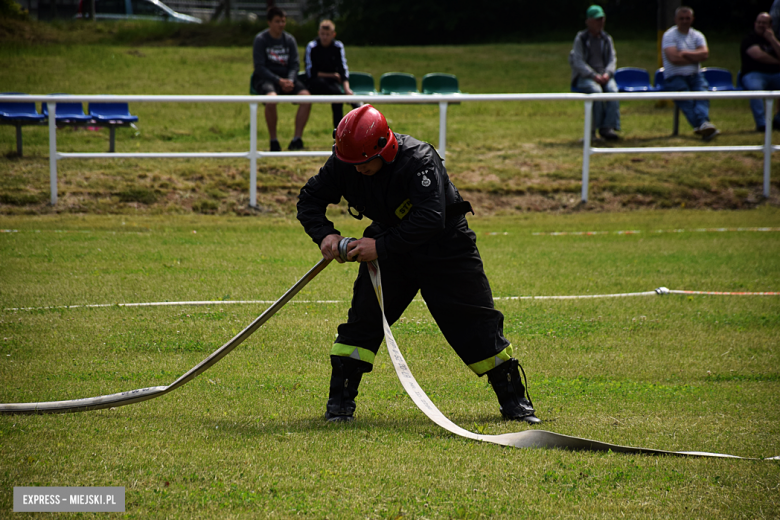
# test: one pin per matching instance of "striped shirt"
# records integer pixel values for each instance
(683, 42)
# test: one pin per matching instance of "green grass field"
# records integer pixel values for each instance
(509, 157)
(247, 439)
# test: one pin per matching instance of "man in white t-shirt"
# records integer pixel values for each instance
(684, 48)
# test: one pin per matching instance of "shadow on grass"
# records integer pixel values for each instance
(418, 424)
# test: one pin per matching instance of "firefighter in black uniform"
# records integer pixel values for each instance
(423, 243)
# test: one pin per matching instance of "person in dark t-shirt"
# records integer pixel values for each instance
(760, 51)
(275, 56)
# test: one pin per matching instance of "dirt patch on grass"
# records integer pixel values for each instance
(513, 183)
(566, 202)
(281, 202)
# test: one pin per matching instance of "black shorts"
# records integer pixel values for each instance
(266, 87)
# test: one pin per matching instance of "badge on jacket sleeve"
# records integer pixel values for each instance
(404, 209)
(425, 181)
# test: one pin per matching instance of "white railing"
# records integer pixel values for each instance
(443, 100)
(767, 148)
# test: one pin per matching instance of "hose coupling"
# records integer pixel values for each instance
(343, 243)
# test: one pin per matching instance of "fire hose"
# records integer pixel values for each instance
(523, 439)
(144, 394)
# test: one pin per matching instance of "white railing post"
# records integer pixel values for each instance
(53, 151)
(586, 149)
(253, 155)
(442, 129)
(768, 145)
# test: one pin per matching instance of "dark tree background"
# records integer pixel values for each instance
(426, 22)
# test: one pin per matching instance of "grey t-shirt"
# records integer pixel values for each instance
(596, 57)
(275, 58)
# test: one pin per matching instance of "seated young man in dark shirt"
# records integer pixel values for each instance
(326, 67)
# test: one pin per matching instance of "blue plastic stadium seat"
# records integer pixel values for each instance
(111, 115)
(659, 79)
(18, 111)
(68, 113)
(720, 80)
(398, 83)
(632, 79)
(19, 114)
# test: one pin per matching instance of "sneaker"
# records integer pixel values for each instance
(712, 135)
(608, 134)
(707, 130)
(594, 138)
(296, 144)
(761, 129)
(275, 146)
(333, 419)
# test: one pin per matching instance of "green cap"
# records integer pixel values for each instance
(594, 11)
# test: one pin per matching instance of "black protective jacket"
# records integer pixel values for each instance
(407, 200)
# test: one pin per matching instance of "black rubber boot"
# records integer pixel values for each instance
(506, 382)
(344, 382)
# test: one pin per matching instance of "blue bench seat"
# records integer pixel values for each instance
(19, 114)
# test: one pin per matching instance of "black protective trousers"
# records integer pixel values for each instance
(449, 274)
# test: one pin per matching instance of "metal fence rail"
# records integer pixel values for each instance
(443, 100)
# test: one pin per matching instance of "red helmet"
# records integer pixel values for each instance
(363, 135)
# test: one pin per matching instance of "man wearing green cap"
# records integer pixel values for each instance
(593, 64)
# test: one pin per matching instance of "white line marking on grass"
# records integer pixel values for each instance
(165, 304)
(660, 291)
(636, 232)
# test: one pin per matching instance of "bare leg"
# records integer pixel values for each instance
(302, 117)
(271, 117)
